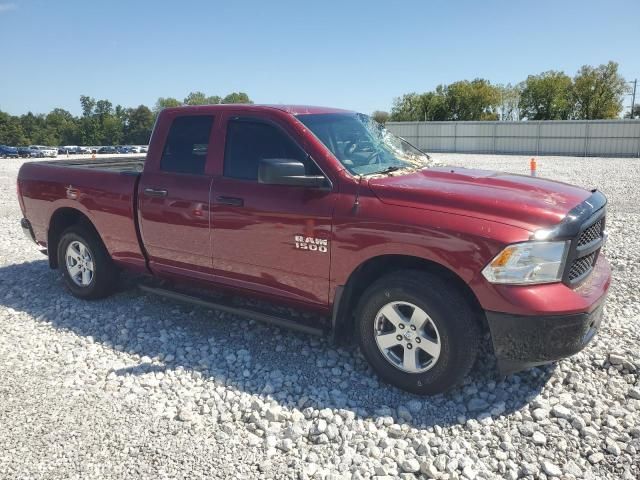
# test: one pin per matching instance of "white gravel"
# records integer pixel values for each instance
(138, 387)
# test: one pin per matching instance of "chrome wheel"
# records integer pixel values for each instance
(407, 337)
(79, 263)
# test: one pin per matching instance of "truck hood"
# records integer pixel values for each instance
(522, 201)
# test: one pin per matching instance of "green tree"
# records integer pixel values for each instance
(472, 100)
(11, 132)
(236, 97)
(380, 116)
(90, 125)
(88, 131)
(409, 107)
(598, 92)
(436, 109)
(104, 108)
(121, 113)
(61, 127)
(111, 130)
(547, 96)
(139, 126)
(509, 102)
(195, 98)
(88, 104)
(465, 100)
(33, 127)
(166, 102)
(199, 98)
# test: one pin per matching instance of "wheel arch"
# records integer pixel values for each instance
(348, 295)
(61, 219)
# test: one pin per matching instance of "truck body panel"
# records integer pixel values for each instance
(527, 202)
(104, 196)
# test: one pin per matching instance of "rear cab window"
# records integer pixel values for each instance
(186, 147)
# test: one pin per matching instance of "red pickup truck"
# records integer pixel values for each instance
(326, 211)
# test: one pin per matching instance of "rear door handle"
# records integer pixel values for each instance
(233, 201)
(154, 192)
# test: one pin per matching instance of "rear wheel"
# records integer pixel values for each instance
(417, 332)
(86, 266)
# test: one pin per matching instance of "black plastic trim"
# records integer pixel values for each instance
(580, 218)
(220, 304)
(335, 314)
(521, 341)
(575, 220)
(27, 229)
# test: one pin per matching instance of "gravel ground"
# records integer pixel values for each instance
(139, 387)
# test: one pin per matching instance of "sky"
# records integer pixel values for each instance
(351, 54)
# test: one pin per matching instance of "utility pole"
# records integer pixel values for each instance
(633, 96)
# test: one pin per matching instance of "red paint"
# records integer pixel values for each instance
(455, 217)
(499, 197)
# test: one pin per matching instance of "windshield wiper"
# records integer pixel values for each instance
(389, 169)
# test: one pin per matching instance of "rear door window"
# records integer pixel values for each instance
(185, 150)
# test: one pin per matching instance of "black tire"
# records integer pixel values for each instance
(457, 330)
(105, 273)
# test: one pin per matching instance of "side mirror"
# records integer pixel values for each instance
(285, 171)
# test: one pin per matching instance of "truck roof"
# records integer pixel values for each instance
(291, 109)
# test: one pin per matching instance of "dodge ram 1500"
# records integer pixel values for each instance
(326, 211)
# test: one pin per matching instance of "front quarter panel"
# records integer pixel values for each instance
(461, 244)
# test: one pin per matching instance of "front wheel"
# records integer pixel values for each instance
(417, 332)
(86, 266)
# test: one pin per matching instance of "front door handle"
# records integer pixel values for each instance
(154, 192)
(233, 201)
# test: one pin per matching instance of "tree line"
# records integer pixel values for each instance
(100, 122)
(593, 93)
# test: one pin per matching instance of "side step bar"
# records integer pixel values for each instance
(260, 316)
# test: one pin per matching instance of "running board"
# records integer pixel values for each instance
(260, 316)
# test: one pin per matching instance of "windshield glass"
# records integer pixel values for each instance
(362, 145)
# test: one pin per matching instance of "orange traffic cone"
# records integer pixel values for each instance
(533, 165)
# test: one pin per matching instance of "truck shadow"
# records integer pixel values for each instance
(294, 369)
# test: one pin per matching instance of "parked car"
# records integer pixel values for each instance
(122, 149)
(326, 211)
(44, 151)
(134, 149)
(144, 149)
(83, 150)
(8, 152)
(68, 149)
(35, 152)
(24, 152)
(111, 150)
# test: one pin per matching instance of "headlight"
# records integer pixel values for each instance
(528, 263)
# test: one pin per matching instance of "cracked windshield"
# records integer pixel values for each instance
(364, 146)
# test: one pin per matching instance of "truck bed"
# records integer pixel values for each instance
(103, 190)
(113, 164)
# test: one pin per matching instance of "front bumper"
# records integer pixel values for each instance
(522, 342)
